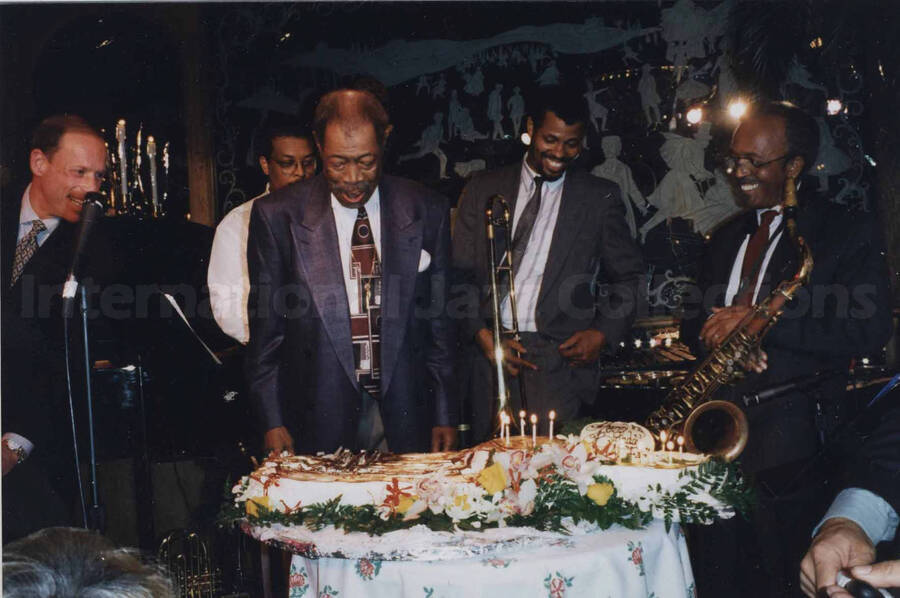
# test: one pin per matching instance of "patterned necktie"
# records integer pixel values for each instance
(753, 257)
(25, 248)
(526, 223)
(365, 326)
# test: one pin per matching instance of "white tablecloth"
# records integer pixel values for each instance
(616, 563)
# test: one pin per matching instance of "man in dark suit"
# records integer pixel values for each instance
(350, 343)
(568, 228)
(863, 514)
(843, 311)
(39, 225)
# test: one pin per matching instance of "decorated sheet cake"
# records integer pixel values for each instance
(509, 492)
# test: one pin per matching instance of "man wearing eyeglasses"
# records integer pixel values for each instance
(844, 311)
(286, 156)
(38, 226)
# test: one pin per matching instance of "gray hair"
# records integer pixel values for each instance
(62, 562)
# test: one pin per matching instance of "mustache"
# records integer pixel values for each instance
(353, 188)
(563, 159)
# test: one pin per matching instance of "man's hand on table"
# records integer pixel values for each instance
(278, 440)
(443, 438)
(840, 544)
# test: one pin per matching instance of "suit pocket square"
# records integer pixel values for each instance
(424, 260)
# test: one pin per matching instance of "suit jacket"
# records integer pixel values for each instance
(591, 241)
(299, 361)
(33, 372)
(843, 311)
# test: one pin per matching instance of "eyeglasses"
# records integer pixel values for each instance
(308, 163)
(731, 163)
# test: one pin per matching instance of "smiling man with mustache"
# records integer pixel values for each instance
(350, 342)
(568, 226)
(844, 311)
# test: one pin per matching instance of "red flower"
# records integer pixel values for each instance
(366, 568)
(637, 556)
(557, 588)
(298, 580)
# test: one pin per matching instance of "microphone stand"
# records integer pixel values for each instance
(96, 515)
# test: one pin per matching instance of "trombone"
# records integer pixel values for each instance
(494, 220)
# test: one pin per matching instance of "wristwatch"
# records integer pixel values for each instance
(13, 445)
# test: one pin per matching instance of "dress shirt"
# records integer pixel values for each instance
(734, 280)
(344, 220)
(227, 277)
(530, 272)
(868, 510)
(27, 215)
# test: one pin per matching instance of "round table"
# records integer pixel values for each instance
(615, 563)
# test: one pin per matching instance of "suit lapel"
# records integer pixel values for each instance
(316, 239)
(573, 205)
(401, 244)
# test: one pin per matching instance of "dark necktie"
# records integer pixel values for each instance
(365, 326)
(25, 248)
(526, 223)
(753, 258)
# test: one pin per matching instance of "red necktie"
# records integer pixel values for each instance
(753, 257)
(365, 326)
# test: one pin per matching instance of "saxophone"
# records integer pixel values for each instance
(720, 427)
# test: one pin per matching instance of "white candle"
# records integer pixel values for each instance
(669, 447)
(522, 423)
(662, 438)
(533, 430)
(681, 445)
(123, 167)
(552, 420)
(154, 186)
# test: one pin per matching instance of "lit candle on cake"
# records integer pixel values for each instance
(522, 423)
(533, 430)
(504, 427)
(669, 447)
(663, 436)
(681, 445)
(552, 420)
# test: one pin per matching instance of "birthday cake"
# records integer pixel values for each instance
(608, 475)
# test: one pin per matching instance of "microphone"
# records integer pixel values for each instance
(92, 210)
(773, 392)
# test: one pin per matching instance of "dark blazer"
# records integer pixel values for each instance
(843, 312)
(299, 365)
(591, 240)
(877, 469)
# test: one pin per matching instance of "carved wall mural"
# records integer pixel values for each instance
(459, 83)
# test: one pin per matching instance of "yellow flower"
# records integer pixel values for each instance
(253, 505)
(405, 503)
(462, 501)
(600, 493)
(493, 478)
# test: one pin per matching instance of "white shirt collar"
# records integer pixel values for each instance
(372, 205)
(27, 214)
(528, 175)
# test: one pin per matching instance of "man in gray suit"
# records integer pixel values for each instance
(569, 230)
(350, 342)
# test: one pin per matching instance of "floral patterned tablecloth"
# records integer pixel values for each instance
(616, 563)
